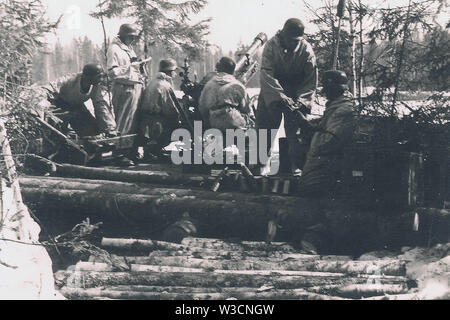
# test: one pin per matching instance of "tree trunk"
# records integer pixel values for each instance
(67, 170)
(217, 218)
(217, 244)
(184, 293)
(353, 49)
(386, 267)
(333, 291)
(88, 279)
(361, 57)
(106, 186)
(401, 58)
(140, 245)
(197, 257)
(357, 291)
(247, 255)
(188, 248)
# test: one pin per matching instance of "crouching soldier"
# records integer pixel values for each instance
(159, 115)
(70, 94)
(332, 134)
(324, 160)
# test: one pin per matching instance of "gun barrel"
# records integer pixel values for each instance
(258, 42)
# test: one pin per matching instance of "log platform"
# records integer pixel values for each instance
(141, 202)
(205, 268)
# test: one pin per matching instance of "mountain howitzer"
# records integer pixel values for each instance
(247, 65)
(245, 68)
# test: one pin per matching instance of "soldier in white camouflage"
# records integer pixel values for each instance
(288, 78)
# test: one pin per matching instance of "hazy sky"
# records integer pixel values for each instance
(233, 20)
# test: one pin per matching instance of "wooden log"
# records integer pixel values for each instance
(226, 261)
(357, 291)
(405, 296)
(93, 266)
(386, 267)
(140, 245)
(209, 243)
(297, 294)
(156, 268)
(104, 267)
(360, 291)
(173, 249)
(163, 177)
(88, 279)
(220, 218)
(247, 255)
(216, 289)
(147, 189)
(167, 248)
(214, 254)
(336, 291)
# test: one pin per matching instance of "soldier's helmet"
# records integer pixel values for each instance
(128, 29)
(336, 79)
(167, 65)
(93, 70)
(293, 28)
(226, 64)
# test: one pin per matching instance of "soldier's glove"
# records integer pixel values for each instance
(302, 107)
(288, 103)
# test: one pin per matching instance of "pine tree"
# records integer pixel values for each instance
(162, 22)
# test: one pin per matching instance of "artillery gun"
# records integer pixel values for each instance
(246, 68)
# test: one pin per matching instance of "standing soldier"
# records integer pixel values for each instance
(159, 110)
(127, 79)
(288, 79)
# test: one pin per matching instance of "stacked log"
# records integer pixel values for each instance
(175, 271)
(221, 214)
(170, 176)
(161, 177)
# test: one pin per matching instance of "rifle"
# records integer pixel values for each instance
(75, 153)
(141, 64)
